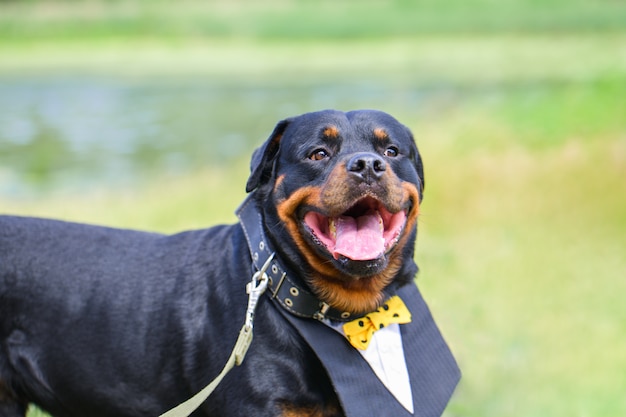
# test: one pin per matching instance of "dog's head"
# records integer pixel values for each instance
(340, 195)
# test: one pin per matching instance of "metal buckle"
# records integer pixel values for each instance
(255, 289)
(320, 315)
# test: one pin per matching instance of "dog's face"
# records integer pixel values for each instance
(340, 194)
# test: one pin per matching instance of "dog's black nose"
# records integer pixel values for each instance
(368, 167)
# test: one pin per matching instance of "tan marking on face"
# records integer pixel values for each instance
(331, 132)
(340, 192)
(366, 294)
(380, 133)
(287, 213)
(339, 290)
(330, 410)
(279, 182)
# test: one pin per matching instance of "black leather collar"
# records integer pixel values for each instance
(290, 296)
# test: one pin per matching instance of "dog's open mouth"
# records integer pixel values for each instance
(364, 232)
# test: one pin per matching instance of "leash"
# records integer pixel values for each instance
(255, 288)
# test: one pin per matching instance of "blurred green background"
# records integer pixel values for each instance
(143, 114)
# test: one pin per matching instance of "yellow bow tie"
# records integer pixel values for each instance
(359, 332)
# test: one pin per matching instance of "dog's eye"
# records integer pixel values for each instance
(391, 152)
(319, 154)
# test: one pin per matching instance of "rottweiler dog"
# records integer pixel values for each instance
(96, 321)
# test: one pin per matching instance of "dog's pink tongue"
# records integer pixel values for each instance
(359, 238)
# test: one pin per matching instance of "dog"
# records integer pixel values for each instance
(100, 322)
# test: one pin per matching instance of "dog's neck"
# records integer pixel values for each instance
(283, 289)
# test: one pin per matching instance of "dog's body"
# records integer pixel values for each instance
(104, 322)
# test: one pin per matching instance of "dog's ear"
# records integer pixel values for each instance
(417, 162)
(262, 161)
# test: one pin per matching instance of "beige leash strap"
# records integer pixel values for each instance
(189, 406)
(255, 289)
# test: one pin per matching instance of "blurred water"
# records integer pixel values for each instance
(73, 132)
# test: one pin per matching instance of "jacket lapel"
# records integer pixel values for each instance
(433, 371)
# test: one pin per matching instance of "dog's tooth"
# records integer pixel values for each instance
(332, 227)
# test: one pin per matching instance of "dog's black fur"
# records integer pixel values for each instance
(97, 322)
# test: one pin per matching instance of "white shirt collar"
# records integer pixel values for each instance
(385, 355)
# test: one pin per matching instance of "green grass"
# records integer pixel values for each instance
(328, 19)
(478, 62)
(35, 412)
(531, 244)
